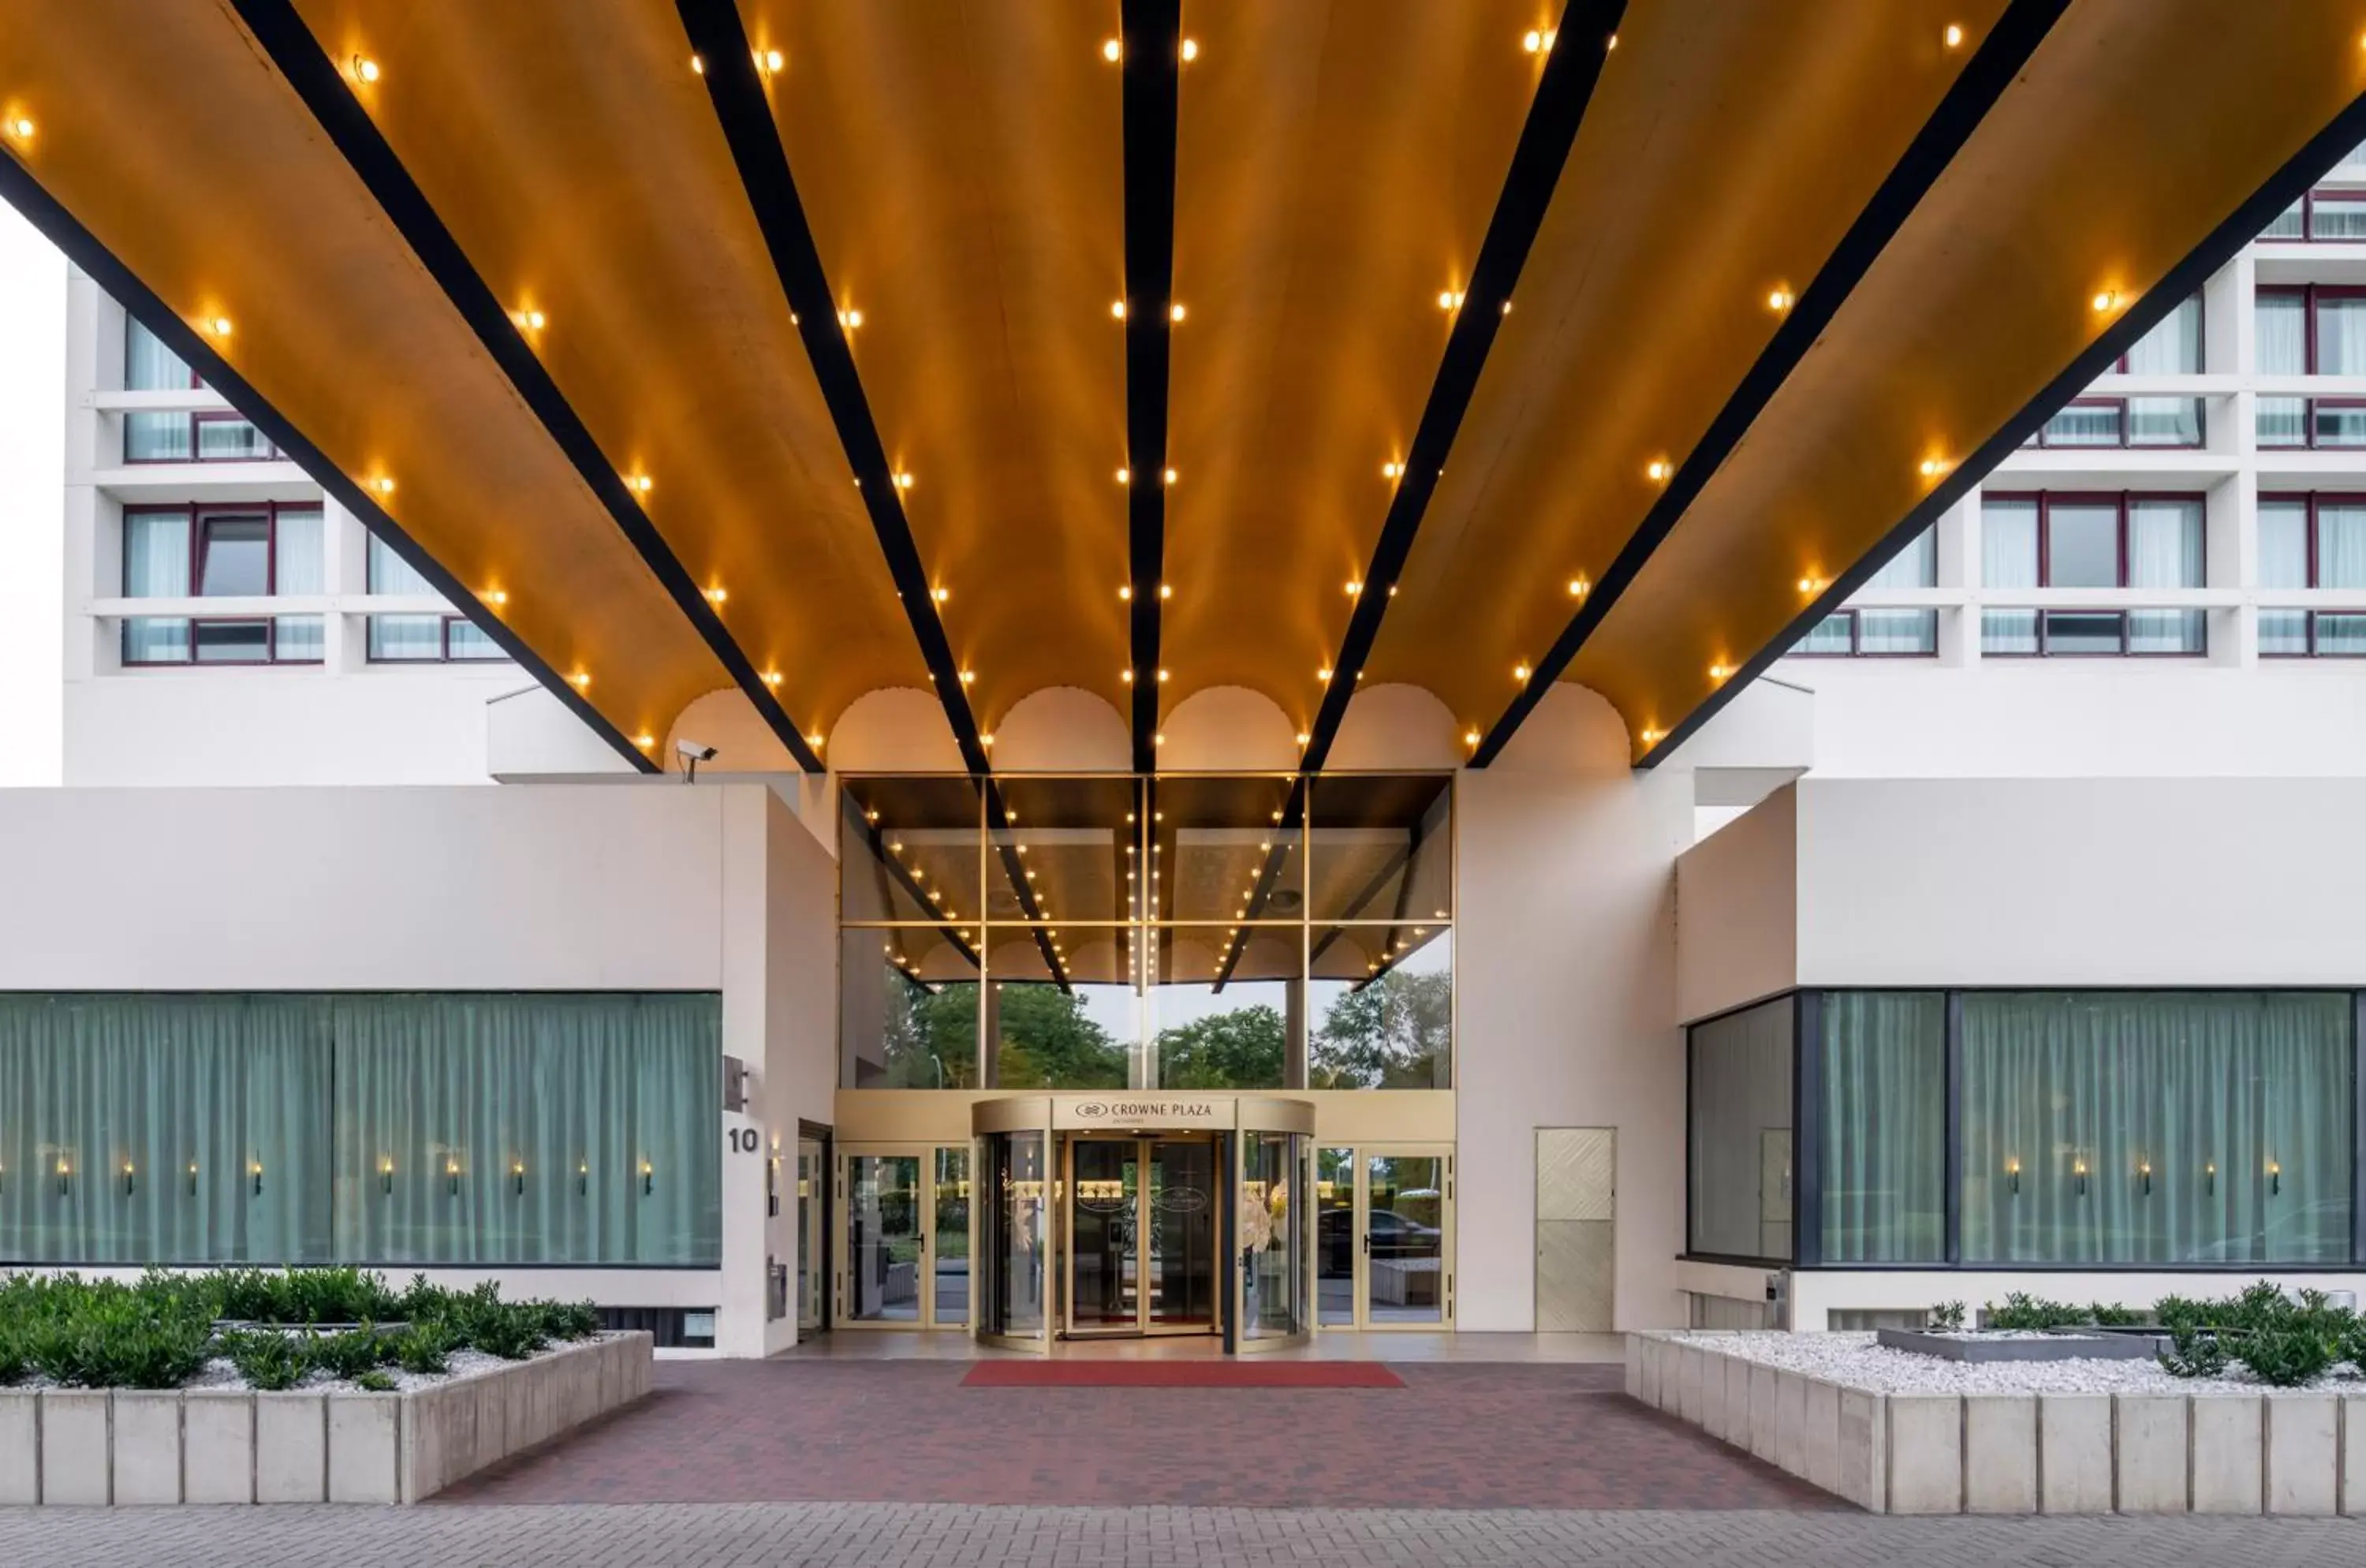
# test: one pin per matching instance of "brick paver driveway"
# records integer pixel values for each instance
(1466, 1436)
(829, 1535)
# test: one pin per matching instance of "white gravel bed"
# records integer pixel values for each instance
(220, 1373)
(1857, 1361)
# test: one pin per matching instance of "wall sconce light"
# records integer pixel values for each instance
(2144, 1169)
(2275, 1178)
(193, 1179)
(517, 1177)
(772, 1186)
(386, 1176)
(648, 1178)
(2209, 1178)
(130, 1179)
(452, 1178)
(582, 1178)
(2011, 1170)
(254, 1169)
(2079, 1169)
(65, 1177)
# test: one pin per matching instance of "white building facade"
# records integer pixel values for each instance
(2078, 774)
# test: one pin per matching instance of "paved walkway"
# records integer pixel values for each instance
(876, 1536)
(1457, 1436)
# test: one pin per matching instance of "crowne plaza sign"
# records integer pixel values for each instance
(1128, 1112)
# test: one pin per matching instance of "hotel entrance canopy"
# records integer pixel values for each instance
(813, 349)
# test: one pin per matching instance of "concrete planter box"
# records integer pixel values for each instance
(1998, 1453)
(2056, 1345)
(209, 1445)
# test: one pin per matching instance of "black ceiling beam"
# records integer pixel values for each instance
(1152, 58)
(2307, 166)
(1293, 819)
(1572, 65)
(26, 195)
(901, 875)
(1992, 68)
(321, 85)
(727, 67)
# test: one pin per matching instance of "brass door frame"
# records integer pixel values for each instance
(1444, 1155)
(1143, 1327)
(924, 1217)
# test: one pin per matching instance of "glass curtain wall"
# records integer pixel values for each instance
(2100, 1129)
(1182, 931)
(416, 1129)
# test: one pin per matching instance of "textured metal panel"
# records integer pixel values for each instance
(1576, 1173)
(1577, 1196)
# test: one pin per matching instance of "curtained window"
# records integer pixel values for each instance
(2187, 1127)
(2173, 348)
(1740, 1133)
(1884, 1103)
(419, 1129)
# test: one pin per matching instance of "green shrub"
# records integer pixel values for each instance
(2194, 1352)
(2022, 1311)
(270, 1359)
(375, 1382)
(119, 1339)
(13, 1365)
(568, 1320)
(2290, 1356)
(1947, 1316)
(304, 1295)
(2174, 1312)
(2105, 1315)
(2263, 1305)
(424, 1347)
(350, 1354)
(511, 1332)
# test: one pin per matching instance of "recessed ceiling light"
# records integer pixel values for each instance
(1577, 588)
(21, 129)
(1954, 35)
(1117, 309)
(1191, 50)
(1112, 52)
(1657, 470)
(1780, 301)
(364, 68)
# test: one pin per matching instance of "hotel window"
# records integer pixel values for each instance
(419, 638)
(266, 550)
(2335, 216)
(2311, 542)
(1881, 1089)
(1874, 632)
(2103, 542)
(208, 435)
(1739, 1134)
(2173, 348)
(2116, 1127)
(2313, 331)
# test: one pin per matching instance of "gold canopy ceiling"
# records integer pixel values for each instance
(798, 366)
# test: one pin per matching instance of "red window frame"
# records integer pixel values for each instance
(2309, 295)
(2308, 205)
(2313, 501)
(2122, 501)
(195, 513)
(195, 417)
(1853, 613)
(444, 654)
(2121, 440)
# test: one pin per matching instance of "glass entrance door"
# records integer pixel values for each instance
(813, 1266)
(1142, 1236)
(904, 1249)
(1383, 1237)
(1275, 1170)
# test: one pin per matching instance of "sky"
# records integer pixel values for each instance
(33, 502)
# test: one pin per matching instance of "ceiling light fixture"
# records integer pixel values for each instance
(1651, 736)
(814, 741)
(697, 66)
(641, 482)
(645, 741)
(1657, 470)
(218, 325)
(582, 680)
(1166, 591)
(1303, 738)
(1354, 587)
(365, 69)
(1117, 309)
(1323, 674)
(768, 60)
(2106, 301)
(1126, 676)
(1538, 41)
(1126, 476)
(1112, 52)
(1191, 50)
(497, 598)
(1811, 585)
(1169, 476)
(1162, 677)
(716, 595)
(1125, 591)
(1717, 672)
(1521, 673)
(772, 678)
(940, 594)
(968, 676)
(1955, 36)
(1391, 470)
(1933, 466)
(383, 484)
(903, 481)
(1450, 299)
(1577, 588)
(1173, 312)
(1781, 299)
(531, 320)
(1471, 737)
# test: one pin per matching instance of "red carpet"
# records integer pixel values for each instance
(1247, 1371)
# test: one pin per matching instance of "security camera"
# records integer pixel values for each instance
(693, 751)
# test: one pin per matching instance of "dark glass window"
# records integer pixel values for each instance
(1740, 1133)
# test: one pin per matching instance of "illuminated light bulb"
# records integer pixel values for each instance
(849, 319)
(1933, 466)
(383, 484)
(1162, 677)
(1125, 591)
(532, 320)
(218, 325)
(1520, 672)
(987, 741)
(772, 678)
(1650, 736)
(21, 129)
(1191, 50)
(497, 598)
(1158, 739)
(1323, 674)
(643, 483)
(1391, 470)
(1811, 585)
(1112, 52)
(1165, 592)
(1955, 36)
(968, 676)
(1303, 738)
(1126, 676)
(1505, 308)
(1577, 588)
(1657, 470)
(2106, 301)
(1354, 587)
(1173, 312)
(1611, 42)
(1117, 309)
(1780, 301)
(1718, 672)
(697, 66)
(768, 60)
(716, 595)
(940, 594)
(815, 741)
(1126, 476)
(1168, 475)
(365, 69)
(645, 741)
(581, 681)
(903, 481)
(1450, 299)
(1535, 41)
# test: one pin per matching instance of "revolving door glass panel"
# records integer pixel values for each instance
(1142, 1236)
(1273, 1234)
(1013, 1236)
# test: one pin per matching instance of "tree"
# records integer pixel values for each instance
(1394, 1034)
(1048, 1041)
(1226, 1050)
(930, 1038)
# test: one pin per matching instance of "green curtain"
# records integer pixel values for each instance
(163, 1129)
(2176, 1127)
(529, 1129)
(1884, 1125)
(1740, 1114)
